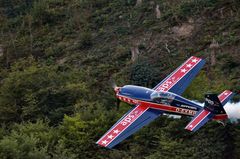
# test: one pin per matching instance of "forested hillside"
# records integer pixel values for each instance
(57, 59)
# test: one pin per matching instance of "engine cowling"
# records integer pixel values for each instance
(136, 92)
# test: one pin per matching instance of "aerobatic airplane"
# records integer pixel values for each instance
(165, 98)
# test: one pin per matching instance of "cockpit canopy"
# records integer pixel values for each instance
(162, 95)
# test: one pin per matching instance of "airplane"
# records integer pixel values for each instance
(148, 104)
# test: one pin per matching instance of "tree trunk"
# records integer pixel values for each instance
(158, 12)
(213, 57)
(135, 53)
(214, 46)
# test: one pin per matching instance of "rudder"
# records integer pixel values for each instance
(213, 104)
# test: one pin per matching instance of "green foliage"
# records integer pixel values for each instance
(202, 84)
(43, 13)
(186, 9)
(79, 136)
(58, 57)
(86, 40)
(15, 8)
(30, 140)
(39, 91)
(141, 73)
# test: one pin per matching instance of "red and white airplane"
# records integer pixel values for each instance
(166, 97)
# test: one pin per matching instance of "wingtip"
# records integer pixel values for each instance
(100, 145)
(188, 127)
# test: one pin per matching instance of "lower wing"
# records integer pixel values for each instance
(131, 122)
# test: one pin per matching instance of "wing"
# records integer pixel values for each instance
(204, 115)
(131, 122)
(179, 80)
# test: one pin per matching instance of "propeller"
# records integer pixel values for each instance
(118, 103)
(115, 88)
(113, 84)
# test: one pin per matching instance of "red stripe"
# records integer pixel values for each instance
(179, 74)
(127, 99)
(168, 108)
(158, 106)
(220, 117)
(197, 120)
(224, 95)
(122, 125)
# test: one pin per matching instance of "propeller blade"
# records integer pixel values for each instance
(116, 88)
(118, 103)
(113, 83)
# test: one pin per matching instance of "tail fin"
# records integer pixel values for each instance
(213, 104)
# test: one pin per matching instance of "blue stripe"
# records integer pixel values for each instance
(182, 84)
(227, 99)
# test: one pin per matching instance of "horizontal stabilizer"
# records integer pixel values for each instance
(213, 109)
(199, 120)
(225, 96)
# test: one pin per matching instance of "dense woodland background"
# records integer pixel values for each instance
(56, 59)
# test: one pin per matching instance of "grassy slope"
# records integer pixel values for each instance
(95, 37)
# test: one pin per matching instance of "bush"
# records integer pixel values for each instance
(39, 91)
(28, 140)
(86, 40)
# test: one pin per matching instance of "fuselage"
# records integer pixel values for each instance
(165, 101)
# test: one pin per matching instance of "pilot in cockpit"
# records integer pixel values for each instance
(162, 97)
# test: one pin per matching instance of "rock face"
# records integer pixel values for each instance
(185, 30)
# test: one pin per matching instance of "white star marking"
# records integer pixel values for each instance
(116, 131)
(183, 70)
(225, 94)
(169, 81)
(110, 136)
(194, 60)
(190, 126)
(189, 65)
(104, 142)
(136, 112)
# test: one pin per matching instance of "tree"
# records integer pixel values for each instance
(28, 140)
(38, 91)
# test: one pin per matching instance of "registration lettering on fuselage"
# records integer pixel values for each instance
(186, 111)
